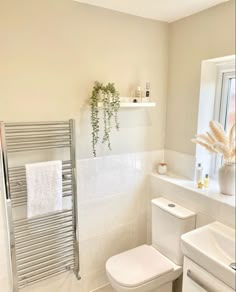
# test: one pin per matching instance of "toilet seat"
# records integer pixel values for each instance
(138, 266)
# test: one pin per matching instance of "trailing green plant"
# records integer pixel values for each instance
(109, 97)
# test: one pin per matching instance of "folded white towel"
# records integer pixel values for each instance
(44, 187)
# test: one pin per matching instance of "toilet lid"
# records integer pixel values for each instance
(138, 266)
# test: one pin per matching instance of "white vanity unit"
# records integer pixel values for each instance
(209, 262)
(196, 279)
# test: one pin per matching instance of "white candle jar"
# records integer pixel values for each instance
(162, 168)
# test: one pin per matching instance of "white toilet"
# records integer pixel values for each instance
(154, 268)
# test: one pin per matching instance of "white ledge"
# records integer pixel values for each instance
(212, 192)
(133, 104)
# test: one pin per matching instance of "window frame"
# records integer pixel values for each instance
(224, 79)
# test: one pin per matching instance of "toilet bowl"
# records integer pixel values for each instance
(142, 269)
(153, 268)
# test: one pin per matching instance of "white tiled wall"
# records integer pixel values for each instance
(184, 164)
(112, 210)
(112, 207)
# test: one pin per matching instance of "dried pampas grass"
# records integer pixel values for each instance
(217, 141)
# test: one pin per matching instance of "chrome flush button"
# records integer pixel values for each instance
(171, 205)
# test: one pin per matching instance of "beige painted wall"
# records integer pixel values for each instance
(52, 51)
(208, 34)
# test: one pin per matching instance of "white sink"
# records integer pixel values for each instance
(213, 248)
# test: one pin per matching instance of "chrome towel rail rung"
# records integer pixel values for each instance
(29, 260)
(19, 186)
(24, 130)
(38, 137)
(43, 264)
(49, 258)
(33, 245)
(47, 234)
(29, 124)
(56, 272)
(36, 142)
(40, 235)
(22, 168)
(23, 199)
(42, 217)
(41, 251)
(17, 191)
(52, 220)
(28, 234)
(23, 149)
(44, 269)
(17, 176)
(46, 275)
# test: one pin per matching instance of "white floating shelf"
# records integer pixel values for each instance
(133, 104)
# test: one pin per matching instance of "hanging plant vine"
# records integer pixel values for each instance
(109, 97)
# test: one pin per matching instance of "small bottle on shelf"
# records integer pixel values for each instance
(206, 181)
(138, 95)
(198, 175)
(147, 93)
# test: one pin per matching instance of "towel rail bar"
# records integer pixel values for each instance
(22, 168)
(46, 147)
(36, 129)
(42, 223)
(45, 269)
(43, 264)
(42, 217)
(53, 273)
(52, 252)
(42, 233)
(61, 238)
(46, 245)
(60, 235)
(29, 124)
(23, 189)
(40, 135)
(43, 250)
(21, 185)
(44, 275)
(30, 261)
(28, 234)
(36, 142)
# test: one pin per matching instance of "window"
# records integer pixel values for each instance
(225, 106)
(216, 102)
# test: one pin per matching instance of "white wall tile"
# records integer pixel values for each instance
(180, 163)
(94, 252)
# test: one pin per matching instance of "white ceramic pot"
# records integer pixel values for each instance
(162, 168)
(227, 179)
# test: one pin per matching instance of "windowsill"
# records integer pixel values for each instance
(212, 192)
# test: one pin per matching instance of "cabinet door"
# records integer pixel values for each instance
(196, 279)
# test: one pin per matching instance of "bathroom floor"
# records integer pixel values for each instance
(105, 289)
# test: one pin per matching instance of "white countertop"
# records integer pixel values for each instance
(212, 192)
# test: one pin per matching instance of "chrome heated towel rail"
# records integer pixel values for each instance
(45, 245)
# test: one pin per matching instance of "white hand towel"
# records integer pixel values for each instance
(44, 187)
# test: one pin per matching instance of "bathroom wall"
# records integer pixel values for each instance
(205, 35)
(52, 52)
(113, 196)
